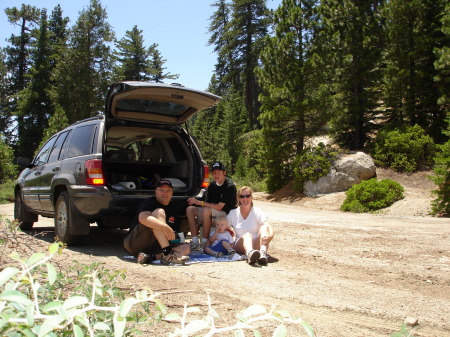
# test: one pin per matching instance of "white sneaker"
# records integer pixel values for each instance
(263, 258)
(197, 247)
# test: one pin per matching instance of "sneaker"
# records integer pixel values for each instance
(143, 258)
(197, 247)
(263, 258)
(253, 256)
(231, 252)
(174, 258)
(218, 255)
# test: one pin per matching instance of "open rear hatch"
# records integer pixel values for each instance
(156, 102)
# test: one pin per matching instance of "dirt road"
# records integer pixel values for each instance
(345, 274)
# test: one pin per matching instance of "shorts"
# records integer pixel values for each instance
(141, 239)
(214, 213)
(218, 247)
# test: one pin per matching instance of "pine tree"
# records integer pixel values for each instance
(18, 60)
(289, 113)
(133, 57)
(353, 51)
(35, 106)
(412, 33)
(84, 73)
(247, 28)
(156, 68)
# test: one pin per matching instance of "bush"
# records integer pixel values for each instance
(441, 205)
(405, 149)
(7, 192)
(371, 195)
(8, 169)
(313, 163)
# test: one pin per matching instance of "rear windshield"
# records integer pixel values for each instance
(146, 106)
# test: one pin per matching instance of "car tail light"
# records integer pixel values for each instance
(94, 172)
(205, 182)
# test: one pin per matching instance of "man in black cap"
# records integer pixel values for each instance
(158, 224)
(220, 199)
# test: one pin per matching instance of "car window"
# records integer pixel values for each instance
(42, 156)
(82, 140)
(55, 154)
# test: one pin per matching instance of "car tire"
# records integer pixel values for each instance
(64, 218)
(25, 219)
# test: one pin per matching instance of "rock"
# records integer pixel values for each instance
(346, 171)
(412, 321)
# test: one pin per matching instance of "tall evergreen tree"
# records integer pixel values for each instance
(413, 32)
(35, 106)
(288, 102)
(354, 34)
(225, 75)
(133, 57)
(84, 73)
(18, 59)
(156, 68)
(247, 28)
(5, 118)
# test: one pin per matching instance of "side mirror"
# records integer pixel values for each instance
(25, 162)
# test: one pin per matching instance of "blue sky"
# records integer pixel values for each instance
(179, 27)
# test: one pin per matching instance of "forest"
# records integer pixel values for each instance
(346, 69)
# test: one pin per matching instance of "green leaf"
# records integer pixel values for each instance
(53, 248)
(15, 296)
(308, 328)
(256, 333)
(101, 326)
(77, 331)
(172, 317)
(196, 326)
(161, 306)
(6, 274)
(254, 310)
(30, 314)
(52, 306)
(75, 301)
(126, 306)
(35, 258)
(48, 325)
(83, 320)
(52, 275)
(239, 333)
(119, 325)
(280, 331)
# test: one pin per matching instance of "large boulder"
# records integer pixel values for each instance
(347, 170)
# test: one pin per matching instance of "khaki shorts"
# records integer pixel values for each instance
(214, 213)
(141, 239)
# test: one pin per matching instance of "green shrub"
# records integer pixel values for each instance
(441, 205)
(406, 149)
(371, 195)
(7, 192)
(313, 163)
(8, 169)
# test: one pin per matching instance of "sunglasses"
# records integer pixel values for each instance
(245, 196)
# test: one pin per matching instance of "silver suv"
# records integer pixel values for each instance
(99, 170)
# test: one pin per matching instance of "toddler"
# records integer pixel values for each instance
(220, 241)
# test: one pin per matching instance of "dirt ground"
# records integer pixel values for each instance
(344, 274)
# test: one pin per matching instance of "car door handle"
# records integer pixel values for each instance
(56, 169)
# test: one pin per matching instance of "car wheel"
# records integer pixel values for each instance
(25, 219)
(63, 220)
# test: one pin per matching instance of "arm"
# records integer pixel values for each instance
(266, 233)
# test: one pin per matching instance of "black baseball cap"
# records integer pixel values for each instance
(217, 166)
(164, 182)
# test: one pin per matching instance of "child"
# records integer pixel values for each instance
(219, 242)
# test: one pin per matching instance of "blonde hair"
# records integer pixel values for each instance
(222, 219)
(240, 192)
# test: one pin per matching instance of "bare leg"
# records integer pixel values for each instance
(206, 221)
(191, 214)
(209, 251)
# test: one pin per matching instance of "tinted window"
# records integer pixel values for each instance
(55, 154)
(81, 142)
(41, 157)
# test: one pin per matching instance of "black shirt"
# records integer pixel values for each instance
(225, 193)
(172, 211)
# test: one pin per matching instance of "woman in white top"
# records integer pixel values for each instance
(253, 232)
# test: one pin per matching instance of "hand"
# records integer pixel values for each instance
(169, 233)
(192, 201)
